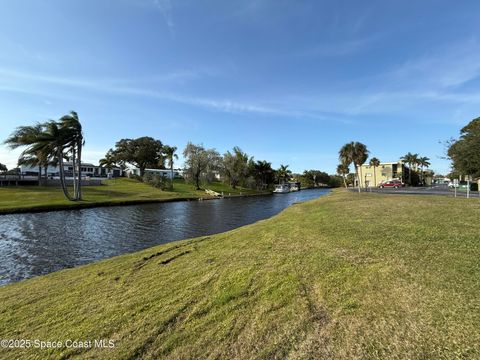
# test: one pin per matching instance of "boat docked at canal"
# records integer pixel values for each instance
(281, 189)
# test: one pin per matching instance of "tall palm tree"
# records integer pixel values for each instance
(424, 162)
(54, 141)
(375, 163)
(354, 152)
(283, 173)
(343, 170)
(411, 160)
(170, 155)
(263, 169)
(72, 134)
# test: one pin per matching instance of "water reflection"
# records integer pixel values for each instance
(35, 244)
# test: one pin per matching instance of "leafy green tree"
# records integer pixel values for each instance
(235, 166)
(3, 168)
(314, 178)
(199, 161)
(354, 152)
(412, 161)
(142, 152)
(335, 181)
(465, 152)
(169, 153)
(374, 162)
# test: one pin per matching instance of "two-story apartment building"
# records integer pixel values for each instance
(371, 176)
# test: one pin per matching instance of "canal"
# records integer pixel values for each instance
(40, 243)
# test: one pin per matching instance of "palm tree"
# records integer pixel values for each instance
(170, 156)
(411, 160)
(53, 140)
(25, 136)
(283, 173)
(354, 152)
(72, 134)
(343, 170)
(424, 162)
(375, 163)
(262, 171)
(109, 161)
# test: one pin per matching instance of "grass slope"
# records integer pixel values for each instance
(345, 276)
(111, 192)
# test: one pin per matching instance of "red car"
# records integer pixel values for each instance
(391, 183)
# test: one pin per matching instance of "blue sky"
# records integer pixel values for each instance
(287, 81)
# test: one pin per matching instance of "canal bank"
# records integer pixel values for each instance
(336, 277)
(34, 244)
(112, 193)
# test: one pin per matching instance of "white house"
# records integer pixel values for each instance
(177, 173)
(88, 169)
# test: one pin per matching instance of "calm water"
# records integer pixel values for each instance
(35, 244)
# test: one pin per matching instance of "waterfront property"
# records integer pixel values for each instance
(111, 192)
(167, 173)
(371, 176)
(88, 169)
(335, 278)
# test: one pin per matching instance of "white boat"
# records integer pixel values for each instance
(281, 189)
(294, 187)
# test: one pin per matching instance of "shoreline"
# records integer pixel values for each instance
(82, 206)
(310, 265)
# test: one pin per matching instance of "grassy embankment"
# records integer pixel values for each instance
(111, 192)
(346, 276)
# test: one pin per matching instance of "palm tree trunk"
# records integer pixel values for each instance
(357, 170)
(62, 175)
(39, 175)
(410, 174)
(171, 172)
(46, 173)
(344, 180)
(74, 162)
(79, 160)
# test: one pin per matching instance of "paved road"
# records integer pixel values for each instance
(427, 190)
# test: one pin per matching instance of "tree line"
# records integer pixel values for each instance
(54, 142)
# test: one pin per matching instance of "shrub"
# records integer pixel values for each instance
(157, 181)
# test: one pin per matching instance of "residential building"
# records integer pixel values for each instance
(88, 170)
(372, 176)
(177, 173)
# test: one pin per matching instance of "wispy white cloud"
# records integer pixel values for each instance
(30, 81)
(450, 66)
(165, 8)
(339, 48)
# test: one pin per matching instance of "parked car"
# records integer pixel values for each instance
(391, 183)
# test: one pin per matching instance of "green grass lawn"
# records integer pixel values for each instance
(112, 191)
(363, 276)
